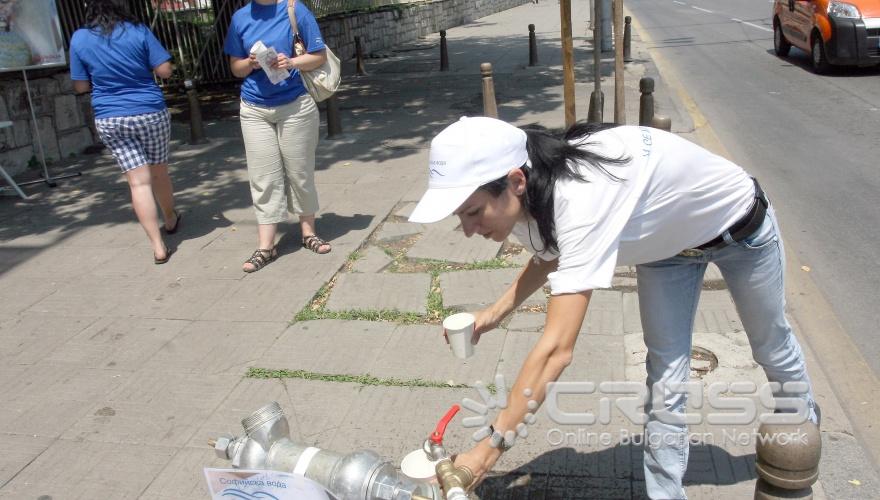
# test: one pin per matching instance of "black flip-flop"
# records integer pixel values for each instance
(168, 252)
(176, 224)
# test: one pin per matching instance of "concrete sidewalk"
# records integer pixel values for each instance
(116, 372)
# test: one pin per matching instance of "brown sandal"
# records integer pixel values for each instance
(314, 243)
(261, 258)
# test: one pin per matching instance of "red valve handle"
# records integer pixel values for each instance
(437, 435)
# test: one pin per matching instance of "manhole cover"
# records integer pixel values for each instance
(703, 361)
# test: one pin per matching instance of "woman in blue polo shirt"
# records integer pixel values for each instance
(279, 122)
(115, 57)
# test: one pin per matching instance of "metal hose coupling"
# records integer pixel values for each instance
(454, 481)
(359, 475)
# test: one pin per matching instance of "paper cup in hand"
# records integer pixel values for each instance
(459, 329)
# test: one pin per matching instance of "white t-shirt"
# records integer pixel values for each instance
(674, 195)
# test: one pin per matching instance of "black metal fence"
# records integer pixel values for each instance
(194, 30)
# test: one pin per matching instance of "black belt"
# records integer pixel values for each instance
(747, 225)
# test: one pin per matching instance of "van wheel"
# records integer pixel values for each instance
(820, 60)
(780, 44)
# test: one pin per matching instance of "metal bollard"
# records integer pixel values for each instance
(646, 102)
(533, 46)
(444, 54)
(196, 128)
(597, 107)
(334, 124)
(360, 56)
(627, 39)
(489, 107)
(662, 122)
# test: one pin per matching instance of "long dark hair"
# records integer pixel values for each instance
(556, 157)
(104, 15)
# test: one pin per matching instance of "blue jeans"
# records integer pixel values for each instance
(668, 294)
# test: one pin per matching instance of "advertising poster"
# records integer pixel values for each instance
(30, 35)
(242, 484)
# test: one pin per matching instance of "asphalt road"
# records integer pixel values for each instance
(811, 140)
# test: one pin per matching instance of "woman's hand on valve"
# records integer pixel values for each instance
(480, 459)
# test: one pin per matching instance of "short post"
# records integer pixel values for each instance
(597, 98)
(444, 54)
(787, 468)
(597, 107)
(533, 46)
(334, 124)
(489, 107)
(646, 102)
(627, 39)
(360, 56)
(662, 122)
(196, 127)
(619, 74)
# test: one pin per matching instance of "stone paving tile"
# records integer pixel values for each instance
(632, 320)
(597, 358)
(88, 470)
(403, 292)
(712, 273)
(469, 290)
(18, 452)
(328, 346)
(125, 235)
(520, 259)
(371, 260)
(164, 388)
(264, 299)
(37, 379)
(19, 295)
(63, 263)
(419, 352)
(406, 209)
(167, 424)
(604, 314)
(42, 417)
(314, 409)
(178, 298)
(716, 313)
(117, 343)
(28, 339)
(93, 296)
(393, 421)
(211, 347)
(183, 477)
(391, 231)
(527, 322)
(440, 244)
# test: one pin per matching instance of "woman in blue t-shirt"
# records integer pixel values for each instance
(279, 122)
(115, 57)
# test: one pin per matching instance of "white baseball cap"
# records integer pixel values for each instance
(467, 154)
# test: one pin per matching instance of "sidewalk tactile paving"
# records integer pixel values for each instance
(476, 289)
(371, 260)
(453, 246)
(401, 292)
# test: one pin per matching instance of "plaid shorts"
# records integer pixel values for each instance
(136, 140)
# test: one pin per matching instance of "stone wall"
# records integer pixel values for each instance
(396, 24)
(62, 119)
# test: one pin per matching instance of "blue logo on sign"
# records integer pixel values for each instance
(257, 495)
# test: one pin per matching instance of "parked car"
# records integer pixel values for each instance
(831, 31)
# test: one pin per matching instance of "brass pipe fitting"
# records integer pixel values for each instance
(452, 478)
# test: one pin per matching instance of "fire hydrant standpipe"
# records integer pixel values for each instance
(360, 475)
(454, 481)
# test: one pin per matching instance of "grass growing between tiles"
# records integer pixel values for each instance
(264, 373)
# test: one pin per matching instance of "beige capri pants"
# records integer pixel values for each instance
(280, 145)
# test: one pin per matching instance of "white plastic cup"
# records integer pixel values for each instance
(417, 466)
(459, 329)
